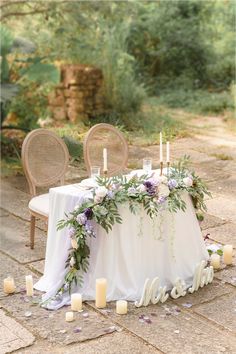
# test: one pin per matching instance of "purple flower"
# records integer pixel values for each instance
(89, 229)
(81, 218)
(151, 185)
(110, 194)
(161, 199)
(172, 184)
(88, 213)
(132, 190)
(71, 231)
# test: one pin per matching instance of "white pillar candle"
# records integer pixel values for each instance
(228, 254)
(161, 151)
(121, 307)
(104, 159)
(69, 316)
(29, 285)
(101, 290)
(215, 261)
(9, 285)
(167, 151)
(76, 302)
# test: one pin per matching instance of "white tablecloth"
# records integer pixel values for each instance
(139, 248)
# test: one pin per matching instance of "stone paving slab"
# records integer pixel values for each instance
(225, 233)
(51, 325)
(180, 333)
(222, 207)
(12, 335)
(37, 267)
(14, 238)
(205, 294)
(227, 275)
(14, 269)
(210, 221)
(222, 311)
(115, 343)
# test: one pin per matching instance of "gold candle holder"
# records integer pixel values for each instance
(161, 168)
(105, 173)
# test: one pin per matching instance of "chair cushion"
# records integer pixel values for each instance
(40, 204)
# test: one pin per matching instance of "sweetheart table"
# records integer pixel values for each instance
(168, 247)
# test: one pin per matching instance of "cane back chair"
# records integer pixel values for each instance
(45, 159)
(105, 136)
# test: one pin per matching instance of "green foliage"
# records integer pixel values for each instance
(75, 147)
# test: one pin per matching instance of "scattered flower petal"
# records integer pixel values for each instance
(63, 331)
(148, 321)
(85, 314)
(28, 314)
(176, 331)
(187, 305)
(77, 330)
(146, 318)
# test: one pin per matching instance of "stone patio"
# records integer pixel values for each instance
(203, 322)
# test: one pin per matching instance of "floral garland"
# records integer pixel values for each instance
(152, 192)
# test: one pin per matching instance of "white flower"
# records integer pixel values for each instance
(76, 207)
(160, 179)
(74, 243)
(101, 192)
(97, 199)
(163, 190)
(141, 188)
(72, 261)
(188, 181)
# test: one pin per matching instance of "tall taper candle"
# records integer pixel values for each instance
(101, 291)
(104, 159)
(161, 151)
(29, 285)
(228, 254)
(167, 152)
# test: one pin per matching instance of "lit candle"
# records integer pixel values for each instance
(69, 316)
(104, 159)
(101, 289)
(121, 307)
(9, 285)
(167, 152)
(76, 302)
(228, 254)
(161, 151)
(215, 261)
(29, 285)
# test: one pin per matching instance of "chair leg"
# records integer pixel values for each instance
(32, 231)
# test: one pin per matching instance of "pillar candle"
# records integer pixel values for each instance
(76, 302)
(121, 307)
(161, 151)
(228, 254)
(104, 159)
(101, 289)
(29, 285)
(167, 151)
(9, 285)
(215, 261)
(69, 316)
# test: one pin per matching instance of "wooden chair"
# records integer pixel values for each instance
(45, 159)
(105, 136)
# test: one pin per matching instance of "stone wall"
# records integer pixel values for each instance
(79, 95)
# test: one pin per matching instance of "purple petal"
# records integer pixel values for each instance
(148, 321)
(77, 330)
(187, 305)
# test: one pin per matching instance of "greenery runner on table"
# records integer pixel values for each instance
(154, 193)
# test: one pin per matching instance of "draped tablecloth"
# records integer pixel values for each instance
(169, 246)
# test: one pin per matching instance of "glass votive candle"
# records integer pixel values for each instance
(147, 164)
(95, 171)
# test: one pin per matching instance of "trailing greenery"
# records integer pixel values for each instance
(152, 192)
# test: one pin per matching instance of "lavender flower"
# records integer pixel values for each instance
(161, 199)
(89, 229)
(132, 190)
(110, 194)
(172, 184)
(71, 231)
(151, 186)
(81, 218)
(88, 213)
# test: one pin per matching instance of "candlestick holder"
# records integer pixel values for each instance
(161, 168)
(105, 173)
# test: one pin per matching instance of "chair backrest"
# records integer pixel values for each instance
(45, 159)
(105, 136)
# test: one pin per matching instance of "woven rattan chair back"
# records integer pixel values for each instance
(45, 159)
(105, 136)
